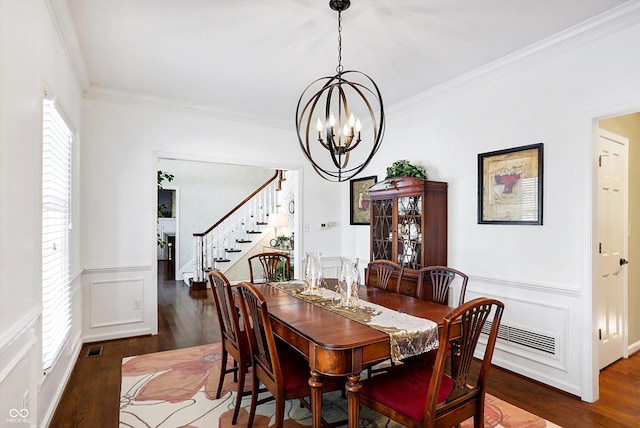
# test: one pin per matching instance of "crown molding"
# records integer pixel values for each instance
(63, 24)
(104, 94)
(606, 23)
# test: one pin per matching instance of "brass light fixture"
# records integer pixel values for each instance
(328, 124)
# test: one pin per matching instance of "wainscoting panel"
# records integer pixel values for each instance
(535, 337)
(541, 338)
(125, 299)
(18, 379)
(119, 302)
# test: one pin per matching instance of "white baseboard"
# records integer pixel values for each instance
(633, 348)
(116, 335)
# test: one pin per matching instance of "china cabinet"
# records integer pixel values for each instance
(409, 225)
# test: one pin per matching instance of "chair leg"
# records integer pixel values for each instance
(242, 373)
(478, 419)
(223, 371)
(279, 412)
(254, 399)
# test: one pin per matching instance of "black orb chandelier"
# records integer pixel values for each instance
(327, 118)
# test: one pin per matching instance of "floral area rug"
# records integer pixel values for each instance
(177, 389)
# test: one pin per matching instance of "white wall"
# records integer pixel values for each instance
(543, 273)
(124, 140)
(31, 55)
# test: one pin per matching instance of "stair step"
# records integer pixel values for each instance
(221, 260)
(243, 241)
(262, 223)
(254, 231)
(231, 250)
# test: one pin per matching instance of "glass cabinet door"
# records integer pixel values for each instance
(410, 232)
(382, 229)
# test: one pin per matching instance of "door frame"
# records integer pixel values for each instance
(625, 248)
(297, 190)
(590, 371)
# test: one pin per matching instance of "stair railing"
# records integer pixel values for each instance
(225, 236)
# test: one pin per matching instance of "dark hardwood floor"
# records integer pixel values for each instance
(91, 398)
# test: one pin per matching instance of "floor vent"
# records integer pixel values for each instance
(526, 338)
(94, 351)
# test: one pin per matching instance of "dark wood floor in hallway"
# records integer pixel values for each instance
(91, 398)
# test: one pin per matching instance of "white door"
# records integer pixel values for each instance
(612, 246)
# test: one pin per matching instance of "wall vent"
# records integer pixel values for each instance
(94, 351)
(526, 338)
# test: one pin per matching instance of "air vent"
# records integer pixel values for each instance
(94, 351)
(526, 338)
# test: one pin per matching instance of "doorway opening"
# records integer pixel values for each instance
(616, 284)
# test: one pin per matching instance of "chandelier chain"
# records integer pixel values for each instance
(339, 68)
(329, 150)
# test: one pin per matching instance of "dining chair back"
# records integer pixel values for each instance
(234, 340)
(439, 399)
(380, 274)
(269, 267)
(434, 283)
(284, 372)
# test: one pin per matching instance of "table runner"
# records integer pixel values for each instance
(409, 335)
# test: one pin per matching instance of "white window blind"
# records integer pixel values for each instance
(56, 224)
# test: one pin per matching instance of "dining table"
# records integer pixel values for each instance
(336, 345)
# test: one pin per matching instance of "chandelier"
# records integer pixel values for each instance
(337, 114)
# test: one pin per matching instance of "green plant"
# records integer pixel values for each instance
(164, 176)
(282, 241)
(280, 271)
(403, 168)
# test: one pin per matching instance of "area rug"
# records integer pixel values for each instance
(177, 389)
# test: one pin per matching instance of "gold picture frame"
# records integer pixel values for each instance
(510, 186)
(360, 201)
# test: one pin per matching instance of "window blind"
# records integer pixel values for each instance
(56, 224)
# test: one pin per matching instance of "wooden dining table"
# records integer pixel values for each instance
(336, 345)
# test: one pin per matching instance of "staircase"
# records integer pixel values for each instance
(228, 239)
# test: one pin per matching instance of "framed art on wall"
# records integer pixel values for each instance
(360, 201)
(510, 186)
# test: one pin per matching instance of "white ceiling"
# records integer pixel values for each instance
(255, 57)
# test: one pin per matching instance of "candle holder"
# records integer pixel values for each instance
(348, 283)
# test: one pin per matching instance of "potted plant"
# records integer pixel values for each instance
(403, 168)
(282, 242)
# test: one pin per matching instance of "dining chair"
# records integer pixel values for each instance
(234, 339)
(417, 395)
(284, 372)
(269, 267)
(380, 273)
(434, 283)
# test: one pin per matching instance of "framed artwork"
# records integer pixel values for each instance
(360, 201)
(510, 186)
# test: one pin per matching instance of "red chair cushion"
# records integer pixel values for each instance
(295, 370)
(405, 388)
